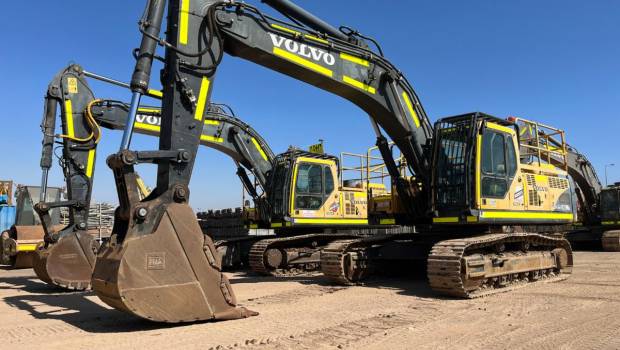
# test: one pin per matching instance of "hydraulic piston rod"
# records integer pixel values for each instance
(296, 12)
(142, 73)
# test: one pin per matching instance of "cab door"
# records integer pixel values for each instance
(314, 193)
(499, 185)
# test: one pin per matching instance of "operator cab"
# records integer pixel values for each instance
(610, 205)
(306, 191)
(488, 170)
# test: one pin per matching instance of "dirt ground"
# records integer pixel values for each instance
(306, 312)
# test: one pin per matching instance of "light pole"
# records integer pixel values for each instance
(607, 166)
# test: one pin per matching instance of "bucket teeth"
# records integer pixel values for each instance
(67, 263)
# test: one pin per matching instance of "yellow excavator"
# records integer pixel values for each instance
(484, 210)
(322, 200)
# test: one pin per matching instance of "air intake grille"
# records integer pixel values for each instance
(349, 205)
(531, 180)
(532, 193)
(556, 182)
(534, 198)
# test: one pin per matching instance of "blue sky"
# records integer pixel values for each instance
(554, 61)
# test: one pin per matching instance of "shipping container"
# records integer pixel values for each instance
(7, 217)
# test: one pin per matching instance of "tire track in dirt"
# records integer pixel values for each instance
(466, 325)
(292, 296)
(19, 334)
(339, 336)
(582, 333)
(602, 335)
(574, 325)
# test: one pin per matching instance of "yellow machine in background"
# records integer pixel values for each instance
(321, 190)
(517, 178)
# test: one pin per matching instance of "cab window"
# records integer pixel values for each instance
(329, 180)
(499, 163)
(313, 185)
(511, 158)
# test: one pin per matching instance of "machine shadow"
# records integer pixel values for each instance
(247, 276)
(74, 308)
(410, 281)
(79, 311)
(30, 284)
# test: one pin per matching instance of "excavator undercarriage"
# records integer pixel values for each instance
(465, 267)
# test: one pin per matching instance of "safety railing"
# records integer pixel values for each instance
(367, 168)
(542, 143)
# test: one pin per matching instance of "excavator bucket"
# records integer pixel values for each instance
(170, 275)
(69, 262)
(19, 244)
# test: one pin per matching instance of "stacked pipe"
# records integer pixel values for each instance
(100, 218)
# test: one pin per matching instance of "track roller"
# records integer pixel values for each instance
(611, 241)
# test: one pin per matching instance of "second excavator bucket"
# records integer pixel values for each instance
(170, 275)
(69, 262)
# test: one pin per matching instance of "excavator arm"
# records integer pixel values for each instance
(70, 91)
(79, 140)
(82, 116)
(221, 131)
(70, 246)
(589, 186)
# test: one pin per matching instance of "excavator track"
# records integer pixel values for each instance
(343, 261)
(234, 252)
(332, 261)
(611, 241)
(267, 255)
(257, 263)
(460, 267)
